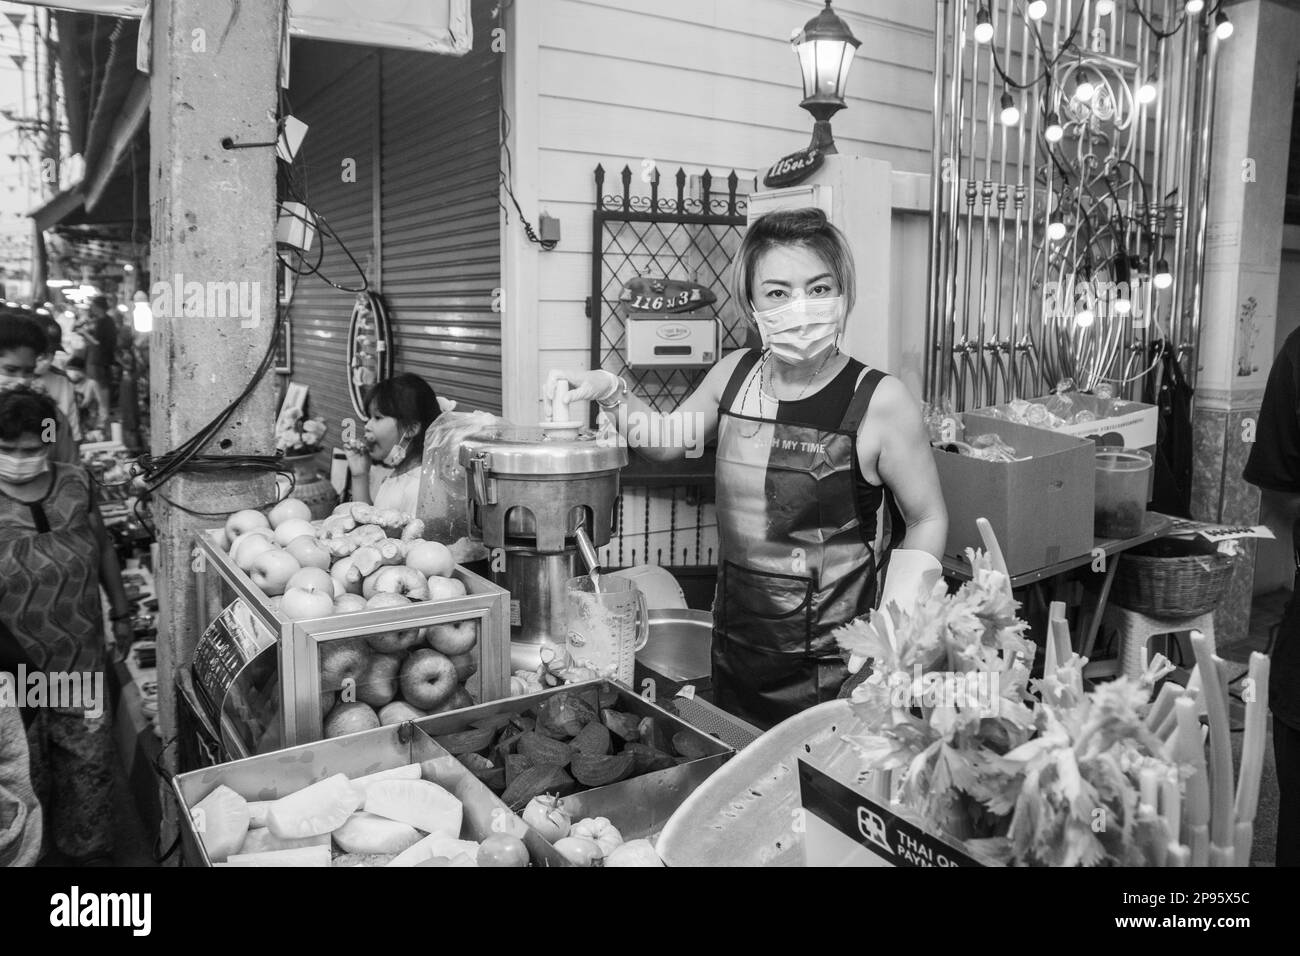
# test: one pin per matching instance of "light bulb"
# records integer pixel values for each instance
(1083, 319)
(1010, 112)
(983, 25)
(1222, 26)
(1053, 131)
(1162, 279)
(1194, 7)
(1105, 7)
(1037, 9)
(1123, 306)
(1084, 89)
(1146, 93)
(1055, 227)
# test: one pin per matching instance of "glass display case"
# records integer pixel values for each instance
(341, 673)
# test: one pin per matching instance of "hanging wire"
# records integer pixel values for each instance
(506, 170)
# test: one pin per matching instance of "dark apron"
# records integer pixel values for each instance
(796, 561)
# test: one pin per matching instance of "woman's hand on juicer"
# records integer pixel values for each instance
(596, 385)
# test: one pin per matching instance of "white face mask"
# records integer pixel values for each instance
(801, 329)
(398, 452)
(20, 470)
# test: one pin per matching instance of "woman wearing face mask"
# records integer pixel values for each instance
(812, 446)
(54, 557)
(400, 409)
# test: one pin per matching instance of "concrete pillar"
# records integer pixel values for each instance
(1256, 90)
(215, 74)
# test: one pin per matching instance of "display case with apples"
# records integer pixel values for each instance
(376, 624)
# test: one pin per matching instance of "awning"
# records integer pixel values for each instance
(435, 26)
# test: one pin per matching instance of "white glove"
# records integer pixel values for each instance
(910, 574)
(596, 385)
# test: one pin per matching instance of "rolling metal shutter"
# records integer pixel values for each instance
(441, 251)
(343, 118)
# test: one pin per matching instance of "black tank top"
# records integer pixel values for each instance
(825, 409)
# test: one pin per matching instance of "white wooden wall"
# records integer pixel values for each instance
(694, 84)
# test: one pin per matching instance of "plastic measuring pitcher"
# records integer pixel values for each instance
(607, 627)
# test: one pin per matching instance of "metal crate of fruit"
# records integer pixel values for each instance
(640, 803)
(328, 660)
(267, 777)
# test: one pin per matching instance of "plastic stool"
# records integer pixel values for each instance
(1137, 629)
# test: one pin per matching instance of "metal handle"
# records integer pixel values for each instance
(480, 485)
(643, 620)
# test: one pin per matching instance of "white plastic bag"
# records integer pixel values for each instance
(443, 494)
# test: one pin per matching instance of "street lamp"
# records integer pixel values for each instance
(825, 48)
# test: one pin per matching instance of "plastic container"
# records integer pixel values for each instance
(1122, 482)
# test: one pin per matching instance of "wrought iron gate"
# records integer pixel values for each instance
(663, 519)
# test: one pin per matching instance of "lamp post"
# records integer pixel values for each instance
(825, 47)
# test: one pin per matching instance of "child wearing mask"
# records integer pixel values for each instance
(54, 555)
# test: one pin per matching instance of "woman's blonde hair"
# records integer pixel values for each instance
(793, 227)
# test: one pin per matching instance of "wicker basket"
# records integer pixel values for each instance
(1171, 578)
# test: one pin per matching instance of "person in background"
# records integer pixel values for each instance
(53, 381)
(22, 342)
(100, 332)
(1274, 467)
(83, 393)
(385, 463)
(54, 556)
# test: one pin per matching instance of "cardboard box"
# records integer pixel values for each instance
(1041, 509)
(1135, 427)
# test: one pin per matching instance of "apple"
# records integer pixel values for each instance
(396, 579)
(288, 509)
(272, 569)
(345, 573)
(247, 547)
(293, 528)
(466, 666)
(302, 605)
(453, 639)
(311, 579)
(428, 678)
(347, 603)
(349, 718)
(430, 558)
(242, 522)
(441, 589)
(399, 711)
(310, 552)
(392, 642)
(379, 685)
(459, 698)
(342, 661)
